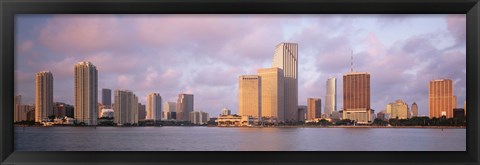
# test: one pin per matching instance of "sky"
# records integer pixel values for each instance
(205, 54)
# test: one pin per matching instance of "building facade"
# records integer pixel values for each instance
(286, 58)
(184, 106)
(314, 108)
(441, 98)
(414, 109)
(125, 107)
(398, 110)
(43, 95)
(168, 109)
(356, 97)
(142, 112)
(249, 96)
(154, 106)
(302, 113)
(198, 117)
(272, 93)
(107, 98)
(18, 115)
(86, 93)
(60, 110)
(331, 97)
(225, 112)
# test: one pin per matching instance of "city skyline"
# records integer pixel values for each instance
(211, 78)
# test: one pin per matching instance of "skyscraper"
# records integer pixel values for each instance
(331, 97)
(272, 90)
(286, 58)
(86, 93)
(154, 106)
(314, 106)
(142, 112)
(356, 97)
(441, 98)
(184, 106)
(249, 96)
(43, 95)
(414, 109)
(125, 107)
(107, 97)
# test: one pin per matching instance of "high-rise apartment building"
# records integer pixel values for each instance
(398, 110)
(356, 97)
(314, 106)
(43, 95)
(86, 93)
(125, 107)
(154, 106)
(107, 98)
(286, 58)
(249, 96)
(331, 97)
(184, 106)
(441, 98)
(272, 93)
(168, 109)
(414, 109)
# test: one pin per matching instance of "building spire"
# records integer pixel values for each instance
(351, 63)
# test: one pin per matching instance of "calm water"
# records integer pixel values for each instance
(237, 139)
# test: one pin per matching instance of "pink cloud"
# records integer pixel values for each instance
(74, 33)
(456, 25)
(25, 46)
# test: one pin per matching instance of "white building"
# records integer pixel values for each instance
(86, 93)
(43, 95)
(331, 97)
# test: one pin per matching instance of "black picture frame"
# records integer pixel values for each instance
(9, 8)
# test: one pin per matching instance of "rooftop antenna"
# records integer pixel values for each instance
(351, 63)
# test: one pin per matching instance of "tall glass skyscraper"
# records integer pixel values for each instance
(286, 58)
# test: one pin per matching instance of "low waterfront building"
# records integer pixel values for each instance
(64, 121)
(236, 120)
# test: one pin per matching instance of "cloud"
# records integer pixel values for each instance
(25, 46)
(456, 25)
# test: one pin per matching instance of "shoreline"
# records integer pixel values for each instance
(419, 127)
